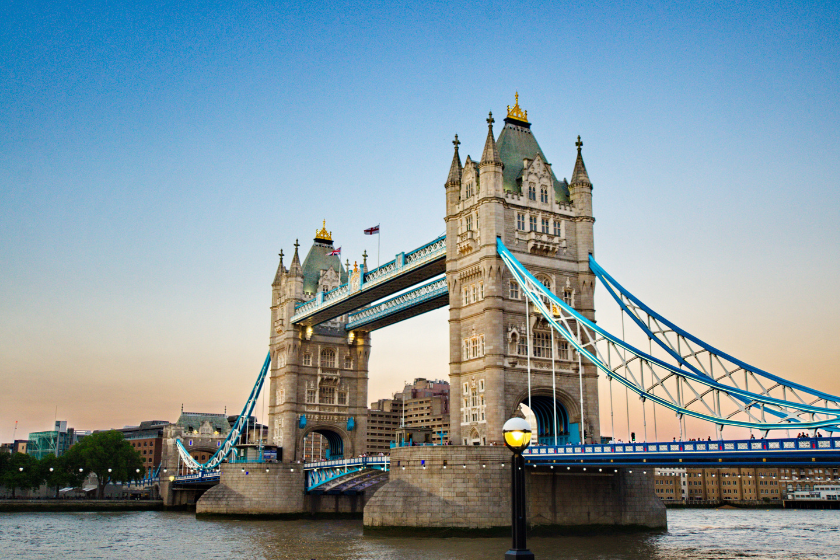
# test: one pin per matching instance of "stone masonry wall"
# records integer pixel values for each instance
(278, 491)
(478, 496)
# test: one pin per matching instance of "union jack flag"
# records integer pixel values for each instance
(372, 231)
(335, 252)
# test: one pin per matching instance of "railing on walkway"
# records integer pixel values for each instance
(319, 473)
(426, 292)
(403, 263)
(686, 452)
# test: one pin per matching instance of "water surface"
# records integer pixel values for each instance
(692, 534)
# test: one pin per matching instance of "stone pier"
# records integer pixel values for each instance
(275, 490)
(467, 488)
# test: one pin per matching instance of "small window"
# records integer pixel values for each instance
(307, 359)
(469, 223)
(310, 396)
(532, 192)
(532, 221)
(556, 228)
(542, 345)
(520, 222)
(328, 358)
(545, 225)
(474, 347)
(514, 290)
(567, 297)
(481, 290)
(466, 388)
(348, 361)
(481, 386)
(466, 296)
(481, 345)
(543, 194)
(472, 294)
(469, 190)
(342, 397)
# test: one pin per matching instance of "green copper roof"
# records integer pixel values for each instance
(516, 143)
(192, 421)
(317, 260)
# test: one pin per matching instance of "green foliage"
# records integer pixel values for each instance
(20, 471)
(107, 455)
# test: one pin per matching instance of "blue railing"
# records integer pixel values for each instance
(403, 263)
(810, 449)
(430, 290)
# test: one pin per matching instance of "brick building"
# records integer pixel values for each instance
(740, 484)
(421, 404)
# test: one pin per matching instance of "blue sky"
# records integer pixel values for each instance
(155, 157)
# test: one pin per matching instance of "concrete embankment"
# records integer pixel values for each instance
(79, 505)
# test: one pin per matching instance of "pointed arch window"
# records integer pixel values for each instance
(543, 194)
(532, 192)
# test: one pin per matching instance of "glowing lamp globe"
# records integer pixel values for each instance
(517, 433)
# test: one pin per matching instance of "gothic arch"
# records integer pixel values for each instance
(340, 441)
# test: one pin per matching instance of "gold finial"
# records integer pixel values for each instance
(517, 113)
(323, 234)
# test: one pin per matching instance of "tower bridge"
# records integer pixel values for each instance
(516, 269)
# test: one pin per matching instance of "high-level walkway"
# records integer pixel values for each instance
(405, 271)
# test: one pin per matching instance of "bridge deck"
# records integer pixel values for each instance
(751, 452)
(407, 270)
(428, 297)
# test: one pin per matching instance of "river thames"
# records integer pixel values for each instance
(692, 534)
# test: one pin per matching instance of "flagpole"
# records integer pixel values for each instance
(378, 243)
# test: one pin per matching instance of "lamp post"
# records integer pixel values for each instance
(517, 433)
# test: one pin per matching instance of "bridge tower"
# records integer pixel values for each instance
(513, 193)
(318, 380)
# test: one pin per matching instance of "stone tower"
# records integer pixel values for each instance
(319, 375)
(512, 193)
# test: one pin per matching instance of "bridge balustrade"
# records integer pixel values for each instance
(682, 453)
(403, 264)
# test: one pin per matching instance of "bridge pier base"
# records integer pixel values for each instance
(472, 494)
(255, 489)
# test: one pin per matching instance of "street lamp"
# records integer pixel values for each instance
(517, 433)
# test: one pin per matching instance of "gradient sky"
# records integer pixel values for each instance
(155, 158)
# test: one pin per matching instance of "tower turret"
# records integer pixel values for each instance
(453, 180)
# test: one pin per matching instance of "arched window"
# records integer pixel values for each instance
(328, 358)
(532, 192)
(543, 194)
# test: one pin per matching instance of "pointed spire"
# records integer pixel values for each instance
(295, 267)
(280, 271)
(490, 156)
(456, 168)
(579, 175)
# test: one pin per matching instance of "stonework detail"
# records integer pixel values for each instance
(548, 225)
(318, 379)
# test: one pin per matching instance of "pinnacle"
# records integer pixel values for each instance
(491, 152)
(295, 267)
(281, 270)
(454, 177)
(579, 175)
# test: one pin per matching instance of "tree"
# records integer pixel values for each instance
(56, 472)
(22, 472)
(108, 456)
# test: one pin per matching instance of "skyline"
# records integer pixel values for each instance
(156, 161)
